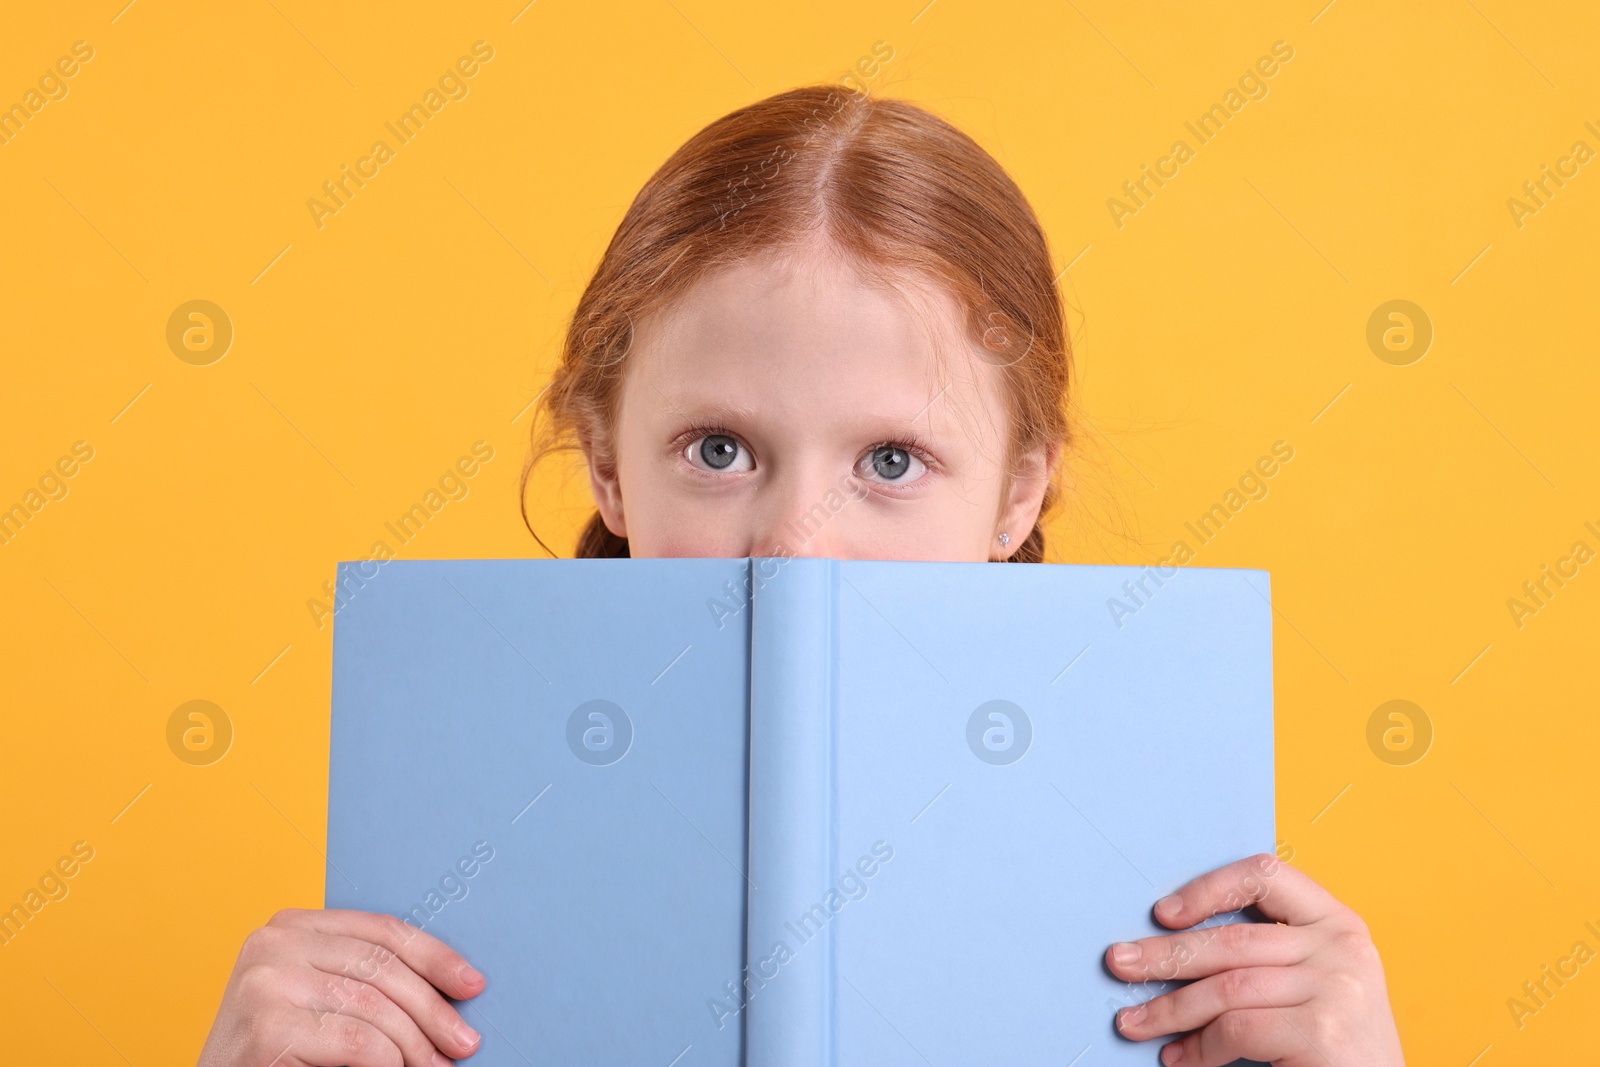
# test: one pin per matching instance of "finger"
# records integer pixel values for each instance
(327, 995)
(1199, 1003)
(425, 954)
(335, 1041)
(1209, 950)
(1279, 890)
(352, 959)
(1263, 1034)
(361, 961)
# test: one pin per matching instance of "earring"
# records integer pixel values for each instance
(1005, 538)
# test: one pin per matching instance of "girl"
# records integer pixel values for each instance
(828, 325)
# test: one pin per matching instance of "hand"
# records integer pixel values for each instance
(316, 988)
(1306, 991)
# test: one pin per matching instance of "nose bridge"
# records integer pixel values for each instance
(802, 512)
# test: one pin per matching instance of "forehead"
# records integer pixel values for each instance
(811, 335)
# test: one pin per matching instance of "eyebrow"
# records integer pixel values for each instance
(700, 411)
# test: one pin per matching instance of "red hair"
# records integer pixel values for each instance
(898, 190)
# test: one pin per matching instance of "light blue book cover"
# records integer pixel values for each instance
(776, 812)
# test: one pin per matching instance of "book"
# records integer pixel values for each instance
(777, 811)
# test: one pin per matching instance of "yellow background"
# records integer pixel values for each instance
(1228, 314)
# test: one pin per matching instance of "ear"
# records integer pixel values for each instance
(1025, 497)
(607, 489)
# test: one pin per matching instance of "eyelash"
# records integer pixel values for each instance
(912, 443)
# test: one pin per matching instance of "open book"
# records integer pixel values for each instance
(775, 811)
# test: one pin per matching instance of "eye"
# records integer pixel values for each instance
(718, 452)
(890, 463)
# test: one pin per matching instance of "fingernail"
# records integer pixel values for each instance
(1124, 953)
(1130, 1016)
(1169, 905)
(467, 1035)
(469, 974)
(439, 1060)
(1172, 1054)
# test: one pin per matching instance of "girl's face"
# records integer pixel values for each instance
(790, 408)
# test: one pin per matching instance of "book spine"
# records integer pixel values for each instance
(789, 1018)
